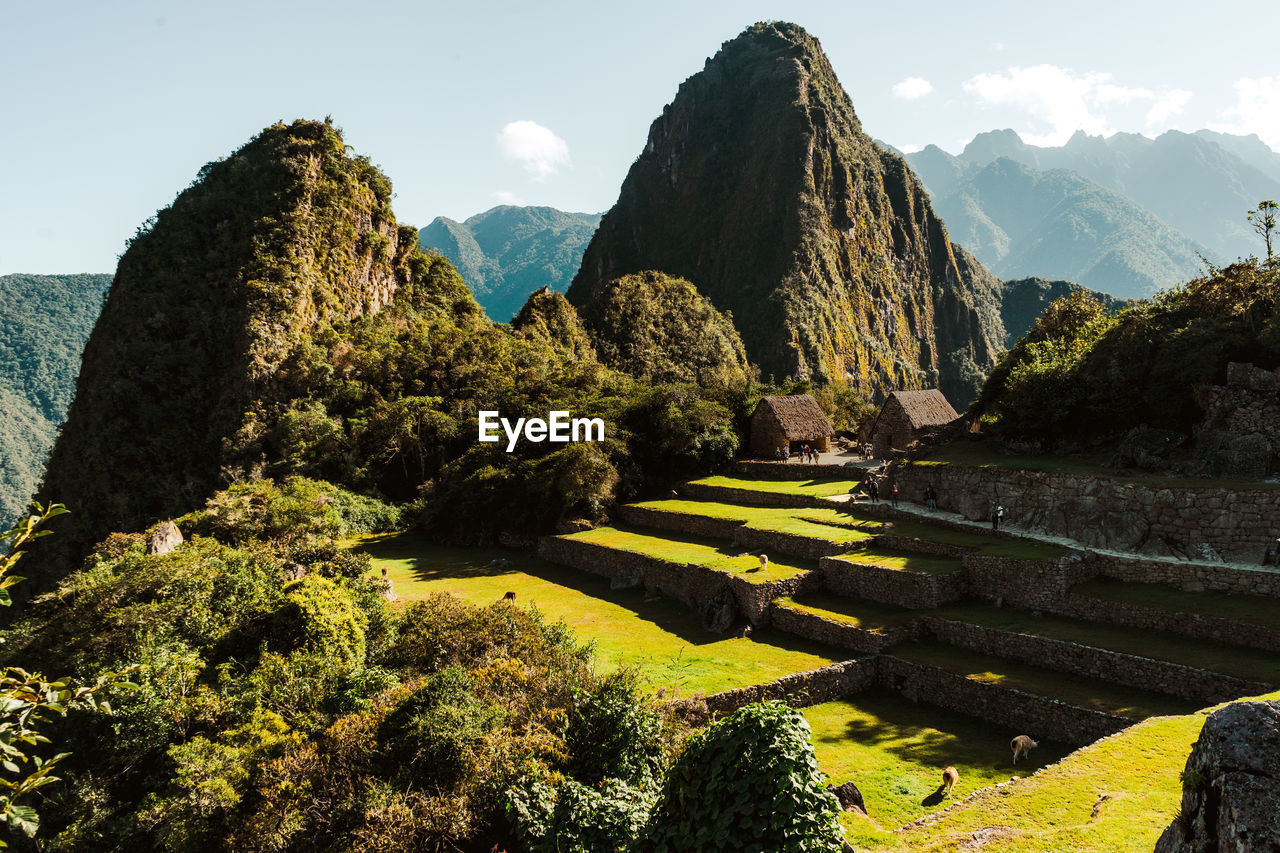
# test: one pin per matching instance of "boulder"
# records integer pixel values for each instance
(163, 538)
(1231, 784)
(719, 611)
(849, 796)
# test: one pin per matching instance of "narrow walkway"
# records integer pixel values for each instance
(956, 518)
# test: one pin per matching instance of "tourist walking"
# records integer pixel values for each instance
(873, 490)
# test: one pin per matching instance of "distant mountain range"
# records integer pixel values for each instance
(506, 253)
(1126, 214)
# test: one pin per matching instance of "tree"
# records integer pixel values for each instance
(1263, 218)
(26, 699)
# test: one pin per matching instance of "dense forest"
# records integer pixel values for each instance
(44, 322)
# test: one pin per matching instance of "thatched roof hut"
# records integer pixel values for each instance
(904, 415)
(781, 422)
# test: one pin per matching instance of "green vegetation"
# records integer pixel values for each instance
(662, 638)
(904, 561)
(748, 783)
(1076, 690)
(44, 322)
(1115, 796)
(684, 548)
(660, 329)
(1081, 374)
(807, 488)
(819, 523)
(506, 253)
(868, 615)
(894, 751)
(1257, 609)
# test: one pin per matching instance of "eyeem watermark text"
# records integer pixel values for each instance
(559, 427)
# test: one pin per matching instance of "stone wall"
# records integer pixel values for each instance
(1022, 713)
(1240, 435)
(916, 590)
(747, 537)
(688, 583)
(834, 632)
(680, 522)
(1158, 619)
(1189, 522)
(1034, 584)
(1191, 577)
(1133, 670)
(801, 689)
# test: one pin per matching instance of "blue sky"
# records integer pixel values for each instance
(109, 109)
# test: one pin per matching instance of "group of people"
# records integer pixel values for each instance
(865, 451)
(807, 454)
(872, 485)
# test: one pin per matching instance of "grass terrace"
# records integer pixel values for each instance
(684, 548)
(976, 541)
(1255, 609)
(1073, 689)
(904, 561)
(1238, 661)
(807, 488)
(662, 637)
(817, 522)
(868, 615)
(894, 750)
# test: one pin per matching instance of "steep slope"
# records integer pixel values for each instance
(508, 252)
(44, 322)
(1058, 223)
(209, 300)
(758, 185)
(1024, 300)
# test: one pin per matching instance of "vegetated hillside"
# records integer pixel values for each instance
(1059, 224)
(1199, 184)
(44, 322)
(1082, 375)
(276, 321)
(506, 253)
(758, 185)
(1025, 299)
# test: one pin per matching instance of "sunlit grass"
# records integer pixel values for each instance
(817, 488)
(683, 548)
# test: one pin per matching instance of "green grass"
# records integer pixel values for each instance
(1256, 609)
(978, 454)
(808, 488)
(894, 750)
(904, 561)
(1073, 689)
(1138, 772)
(684, 548)
(857, 612)
(662, 637)
(816, 522)
(1205, 654)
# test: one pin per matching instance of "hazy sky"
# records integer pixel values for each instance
(108, 109)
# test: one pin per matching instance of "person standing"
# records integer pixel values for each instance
(931, 498)
(893, 494)
(997, 512)
(873, 490)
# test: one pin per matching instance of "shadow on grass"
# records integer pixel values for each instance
(427, 561)
(935, 798)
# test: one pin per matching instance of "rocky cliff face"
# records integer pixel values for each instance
(209, 299)
(758, 185)
(1231, 785)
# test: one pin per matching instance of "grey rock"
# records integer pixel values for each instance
(163, 538)
(719, 611)
(849, 796)
(1231, 784)
(625, 578)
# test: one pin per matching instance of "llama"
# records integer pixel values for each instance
(1021, 746)
(950, 777)
(510, 596)
(764, 562)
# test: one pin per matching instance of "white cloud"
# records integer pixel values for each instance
(910, 148)
(1062, 101)
(1257, 110)
(1167, 105)
(507, 197)
(537, 149)
(912, 88)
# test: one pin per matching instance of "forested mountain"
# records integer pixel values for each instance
(1196, 188)
(1060, 224)
(758, 185)
(508, 252)
(44, 322)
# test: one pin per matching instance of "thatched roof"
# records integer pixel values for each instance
(799, 416)
(924, 408)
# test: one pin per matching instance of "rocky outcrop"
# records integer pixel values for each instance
(758, 185)
(1240, 435)
(1231, 784)
(163, 538)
